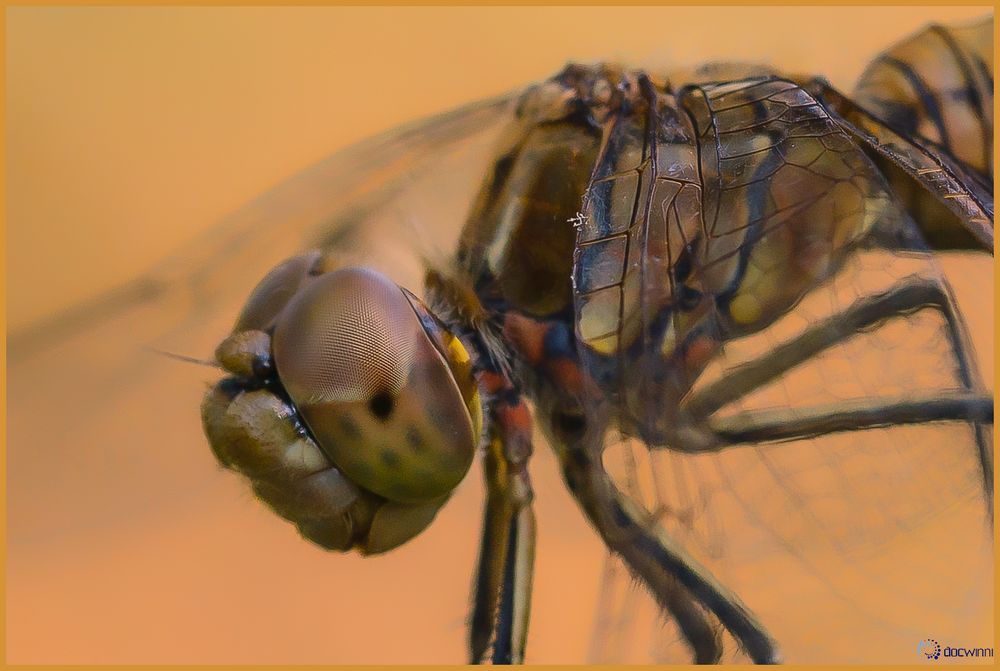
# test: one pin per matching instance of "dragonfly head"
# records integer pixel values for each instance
(374, 381)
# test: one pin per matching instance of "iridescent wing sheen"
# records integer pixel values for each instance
(388, 202)
(755, 196)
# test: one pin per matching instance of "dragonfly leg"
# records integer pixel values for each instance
(502, 591)
(913, 294)
(696, 626)
(662, 564)
(790, 424)
(697, 629)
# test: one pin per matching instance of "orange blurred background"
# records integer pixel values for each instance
(131, 130)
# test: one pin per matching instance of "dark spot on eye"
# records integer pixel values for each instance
(390, 458)
(349, 428)
(414, 438)
(382, 405)
(569, 424)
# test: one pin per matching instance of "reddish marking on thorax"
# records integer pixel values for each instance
(527, 337)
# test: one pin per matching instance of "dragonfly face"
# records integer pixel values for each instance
(350, 407)
(721, 304)
(628, 232)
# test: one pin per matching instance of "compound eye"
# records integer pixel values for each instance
(273, 292)
(377, 395)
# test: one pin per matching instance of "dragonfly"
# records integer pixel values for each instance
(627, 229)
(717, 295)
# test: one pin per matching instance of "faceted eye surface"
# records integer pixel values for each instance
(375, 392)
(346, 339)
(274, 291)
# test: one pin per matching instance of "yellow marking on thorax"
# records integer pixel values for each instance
(745, 309)
(462, 365)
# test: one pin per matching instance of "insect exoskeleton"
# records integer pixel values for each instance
(350, 407)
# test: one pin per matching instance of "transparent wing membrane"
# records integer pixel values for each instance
(849, 546)
(851, 531)
(746, 270)
(387, 202)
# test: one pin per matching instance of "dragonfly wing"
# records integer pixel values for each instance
(938, 85)
(325, 205)
(707, 243)
(90, 398)
(925, 108)
(951, 201)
